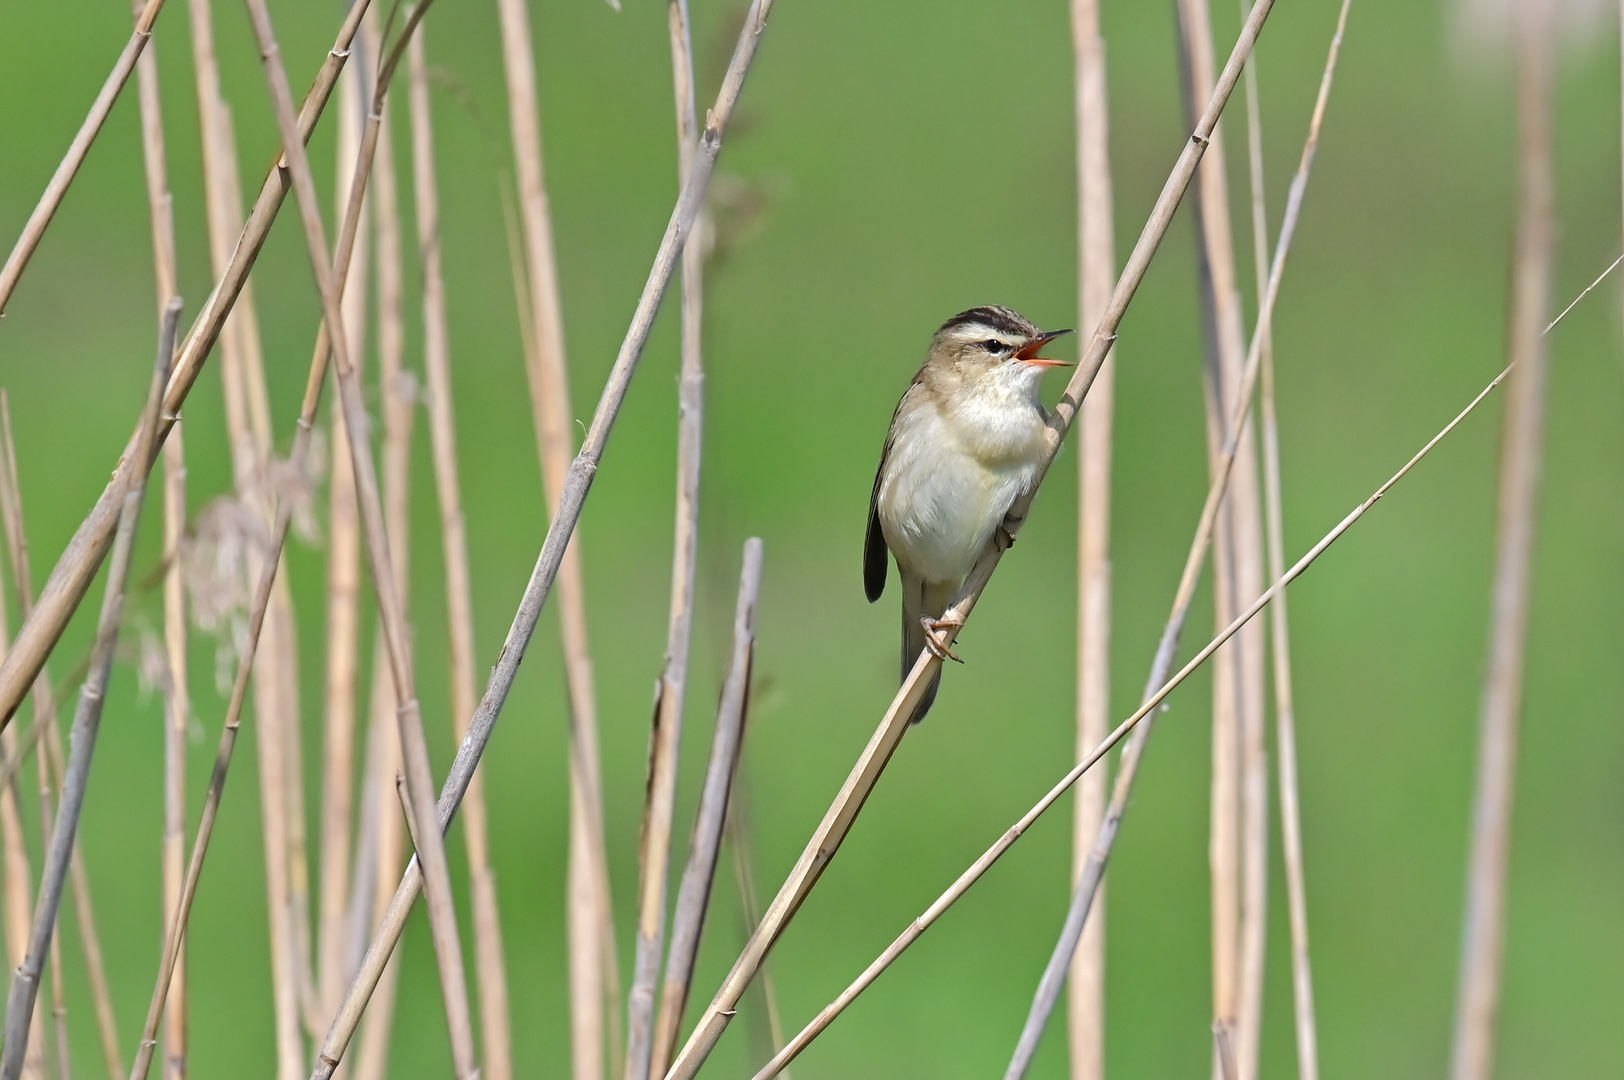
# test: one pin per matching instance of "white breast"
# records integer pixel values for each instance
(948, 483)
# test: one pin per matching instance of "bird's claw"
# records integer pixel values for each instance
(936, 641)
(1003, 537)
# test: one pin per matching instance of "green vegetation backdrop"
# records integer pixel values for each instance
(913, 160)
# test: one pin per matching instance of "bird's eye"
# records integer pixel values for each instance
(993, 345)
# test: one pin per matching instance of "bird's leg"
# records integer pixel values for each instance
(936, 641)
(1004, 534)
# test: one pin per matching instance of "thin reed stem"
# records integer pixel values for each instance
(578, 486)
(495, 1025)
(1152, 702)
(414, 745)
(1096, 254)
(1049, 985)
(594, 968)
(1483, 931)
(654, 852)
(80, 560)
(57, 189)
(693, 895)
(866, 772)
(86, 722)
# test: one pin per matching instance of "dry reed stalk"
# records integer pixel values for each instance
(177, 697)
(1237, 716)
(866, 772)
(51, 756)
(593, 965)
(1076, 917)
(59, 1005)
(398, 398)
(1302, 978)
(79, 561)
(86, 721)
(1152, 702)
(16, 891)
(665, 738)
(262, 598)
(1096, 254)
(1483, 932)
(582, 472)
(57, 188)
(343, 605)
(414, 745)
(495, 1026)
(693, 895)
(744, 876)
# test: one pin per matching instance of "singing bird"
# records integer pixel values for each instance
(966, 441)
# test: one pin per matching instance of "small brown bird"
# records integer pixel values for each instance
(966, 441)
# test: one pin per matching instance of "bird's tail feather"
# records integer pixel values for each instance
(921, 599)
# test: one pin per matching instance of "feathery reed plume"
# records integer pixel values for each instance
(1237, 683)
(1291, 839)
(693, 896)
(866, 772)
(398, 394)
(86, 722)
(582, 472)
(80, 560)
(1146, 710)
(495, 1026)
(589, 909)
(343, 603)
(57, 189)
(1483, 932)
(665, 739)
(1096, 256)
(259, 605)
(50, 761)
(414, 745)
(1048, 991)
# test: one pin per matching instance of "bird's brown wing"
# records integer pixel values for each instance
(874, 552)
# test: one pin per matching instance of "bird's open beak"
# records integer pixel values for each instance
(1028, 353)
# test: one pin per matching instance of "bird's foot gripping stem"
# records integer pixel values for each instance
(936, 641)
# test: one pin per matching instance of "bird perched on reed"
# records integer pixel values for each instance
(966, 441)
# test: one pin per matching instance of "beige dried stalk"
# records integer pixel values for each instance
(1096, 254)
(51, 762)
(865, 774)
(1238, 545)
(665, 739)
(414, 745)
(86, 722)
(1478, 996)
(57, 189)
(495, 1026)
(578, 485)
(593, 965)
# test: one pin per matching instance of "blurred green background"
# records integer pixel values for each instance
(913, 160)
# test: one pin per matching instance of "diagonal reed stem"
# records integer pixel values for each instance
(57, 189)
(693, 895)
(582, 473)
(654, 852)
(1146, 710)
(495, 1024)
(1077, 915)
(414, 744)
(866, 772)
(86, 722)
